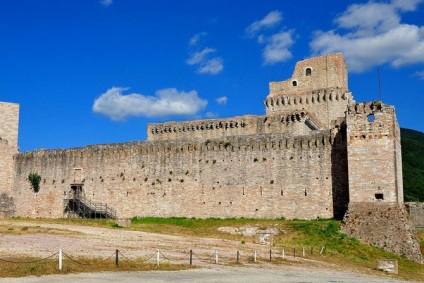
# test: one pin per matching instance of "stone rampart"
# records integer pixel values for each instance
(267, 176)
(292, 123)
(385, 225)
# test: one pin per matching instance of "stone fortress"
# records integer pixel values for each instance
(316, 153)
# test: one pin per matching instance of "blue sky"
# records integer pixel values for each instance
(95, 72)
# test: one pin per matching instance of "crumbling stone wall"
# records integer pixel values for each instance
(385, 225)
(267, 176)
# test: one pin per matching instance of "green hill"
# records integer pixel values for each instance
(413, 164)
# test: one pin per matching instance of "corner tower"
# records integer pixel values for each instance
(374, 153)
(376, 214)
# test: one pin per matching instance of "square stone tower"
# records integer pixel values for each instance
(374, 153)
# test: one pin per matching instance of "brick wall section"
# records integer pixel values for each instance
(385, 225)
(374, 154)
(254, 177)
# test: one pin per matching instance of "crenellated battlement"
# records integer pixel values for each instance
(317, 139)
(327, 105)
(316, 97)
(295, 122)
(198, 129)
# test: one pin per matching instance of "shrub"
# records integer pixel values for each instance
(35, 180)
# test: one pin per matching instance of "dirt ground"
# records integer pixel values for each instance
(83, 241)
(43, 240)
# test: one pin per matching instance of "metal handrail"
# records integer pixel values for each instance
(96, 208)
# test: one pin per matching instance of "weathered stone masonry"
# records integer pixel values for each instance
(316, 153)
(255, 177)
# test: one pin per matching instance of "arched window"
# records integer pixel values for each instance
(308, 71)
(294, 83)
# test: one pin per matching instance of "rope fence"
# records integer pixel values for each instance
(255, 256)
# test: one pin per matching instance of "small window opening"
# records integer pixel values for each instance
(308, 71)
(371, 118)
(379, 196)
(294, 83)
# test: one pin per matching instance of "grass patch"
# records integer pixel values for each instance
(294, 235)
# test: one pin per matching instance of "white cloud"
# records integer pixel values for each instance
(420, 75)
(206, 63)
(374, 35)
(211, 66)
(106, 3)
(277, 48)
(198, 57)
(272, 19)
(276, 44)
(406, 5)
(221, 100)
(195, 39)
(166, 102)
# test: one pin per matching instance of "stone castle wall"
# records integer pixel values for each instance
(373, 139)
(9, 113)
(293, 124)
(6, 176)
(254, 176)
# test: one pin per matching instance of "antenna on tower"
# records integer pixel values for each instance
(379, 83)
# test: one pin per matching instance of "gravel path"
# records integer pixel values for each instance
(230, 275)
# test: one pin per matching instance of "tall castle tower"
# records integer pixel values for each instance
(318, 86)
